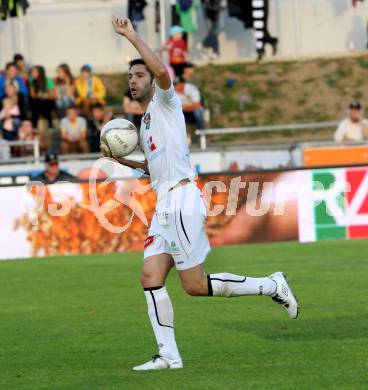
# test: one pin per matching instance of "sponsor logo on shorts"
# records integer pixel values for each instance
(175, 250)
(148, 241)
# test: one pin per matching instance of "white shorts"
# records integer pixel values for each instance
(177, 228)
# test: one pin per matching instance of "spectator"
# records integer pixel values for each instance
(11, 77)
(353, 128)
(11, 93)
(26, 132)
(191, 100)
(188, 73)
(177, 48)
(132, 109)
(23, 70)
(52, 172)
(42, 89)
(100, 116)
(9, 119)
(212, 9)
(73, 132)
(64, 89)
(89, 90)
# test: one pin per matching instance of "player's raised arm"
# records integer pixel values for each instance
(125, 28)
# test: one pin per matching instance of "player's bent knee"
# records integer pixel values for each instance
(146, 279)
(194, 290)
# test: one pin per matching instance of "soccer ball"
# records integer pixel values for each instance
(118, 137)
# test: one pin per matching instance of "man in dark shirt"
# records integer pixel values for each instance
(52, 172)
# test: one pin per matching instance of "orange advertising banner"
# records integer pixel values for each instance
(335, 155)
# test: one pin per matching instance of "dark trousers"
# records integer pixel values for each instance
(42, 107)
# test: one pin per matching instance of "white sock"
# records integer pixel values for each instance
(229, 285)
(161, 315)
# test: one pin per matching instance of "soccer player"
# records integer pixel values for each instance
(176, 236)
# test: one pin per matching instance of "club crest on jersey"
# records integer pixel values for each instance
(151, 145)
(147, 120)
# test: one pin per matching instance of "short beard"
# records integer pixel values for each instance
(144, 98)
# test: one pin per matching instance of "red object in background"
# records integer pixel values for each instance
(355, 178)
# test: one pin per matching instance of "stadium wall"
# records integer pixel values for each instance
(81, 218)
(79, 31)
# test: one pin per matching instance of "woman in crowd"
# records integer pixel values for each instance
(42, 91)
(64, 89)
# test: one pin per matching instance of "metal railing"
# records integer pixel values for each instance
(5, 149)
(202, 133)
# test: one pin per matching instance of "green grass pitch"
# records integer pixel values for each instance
(80, 323)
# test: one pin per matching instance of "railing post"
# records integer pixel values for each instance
(36, 150)
(203, 140)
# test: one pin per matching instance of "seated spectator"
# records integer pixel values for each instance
(9, 119)
(89, 90)
(73, 132)
(11, 77)
(353, 128)
(177, 48)
(191, 100)
(52, 172)
(100, 116)
(132, 109)
(12, 94)
(64, 89)
(26, 132)
(23, 69)
(188, 73)
(42, 90)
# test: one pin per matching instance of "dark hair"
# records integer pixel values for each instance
(9, 64)
(100, 106)
(140, 61)
(72, 107)
(68, 72)
(39, 84)
(18, 57)
(355, 105)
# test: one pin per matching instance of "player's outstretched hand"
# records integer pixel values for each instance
(122, 26)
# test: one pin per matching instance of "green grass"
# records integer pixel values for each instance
(80, 323)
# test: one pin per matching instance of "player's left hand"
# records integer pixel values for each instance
(122, 26)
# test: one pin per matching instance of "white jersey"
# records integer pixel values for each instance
(350, 131)
(163, 139)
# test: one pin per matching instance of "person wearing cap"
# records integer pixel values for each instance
(52, 172)
(354, 127)
(177, 48)
(89, 90)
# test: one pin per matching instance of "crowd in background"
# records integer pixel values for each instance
(66, 112)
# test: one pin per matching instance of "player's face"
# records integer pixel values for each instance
(140, 83)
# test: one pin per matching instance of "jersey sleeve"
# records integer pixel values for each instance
(167, 97)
